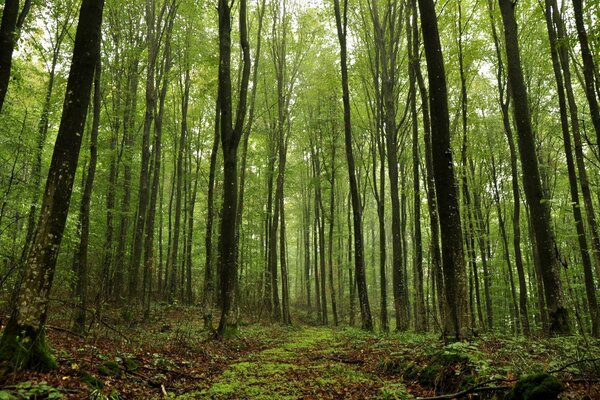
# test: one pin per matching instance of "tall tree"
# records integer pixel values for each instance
(413, 53)
(80, 263)
(341, 20)
(23, 342)
(586, 260)
(230, 138)
(504, 100)
(536, 199)
(453, 263)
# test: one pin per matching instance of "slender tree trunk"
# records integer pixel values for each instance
(578, 218)
(453, 264)
(144, 184)
(505, 244)
(207, 293)
(332, 168)
(341, 18)
(436, 255)
(504, 99)
(578, 146)
(149, 258)
(41, 140)
(248, 129)
(589, 68)
(538, 204)
(23, 342)
(413, 53)
(127, 150)
(178, 188)
(81, 265)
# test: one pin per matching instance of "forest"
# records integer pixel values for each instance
(300, 199)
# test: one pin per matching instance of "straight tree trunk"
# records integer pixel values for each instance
(453, 264)
(178, 189)
(81, 265)
(128, 127)
(578, 146)
(23, 342)
(149, 258)
(334, 309)
(436, 255)
(504, 99)
(144, 180)
(207, 292)
(341, 19)
(538, 204)
(413, 53)
(230, 139)
(577, 217)
(589, 68)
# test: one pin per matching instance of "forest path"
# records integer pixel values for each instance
(307, 363)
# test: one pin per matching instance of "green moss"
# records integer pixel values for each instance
(131, 364)
(91, 381)
(25, 348)
(110, 368)
(536, 387)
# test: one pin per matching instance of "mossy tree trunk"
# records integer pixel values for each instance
(23, 343)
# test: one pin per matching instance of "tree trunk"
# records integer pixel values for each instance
(178, 189)
(81, 266)
(207, 292)
(538, 204)
(144, 180)
(341, 19)
(578, 218)
(579, 156)
(230, 139)
(453, 264)
(413, 54)
(23, 342)
(436, 255)
(12, 21)
(516, 220)
(589, 68)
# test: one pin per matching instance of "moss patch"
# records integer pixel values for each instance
(25, 348)
(536, 387)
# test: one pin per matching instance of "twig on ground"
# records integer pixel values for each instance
(481, 387)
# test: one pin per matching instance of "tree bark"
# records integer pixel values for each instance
(230, 139)
(574, 192)
(589, 68)
(81, 266)
(504, 99)
(453, 264)
(341, 19)
(23, 343)
(12, 22)
(538, 204)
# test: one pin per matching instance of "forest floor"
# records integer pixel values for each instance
(172, 357)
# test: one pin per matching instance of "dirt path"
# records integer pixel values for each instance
(308, 364)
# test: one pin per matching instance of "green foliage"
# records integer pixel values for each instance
(30, 390)
(394, 391)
